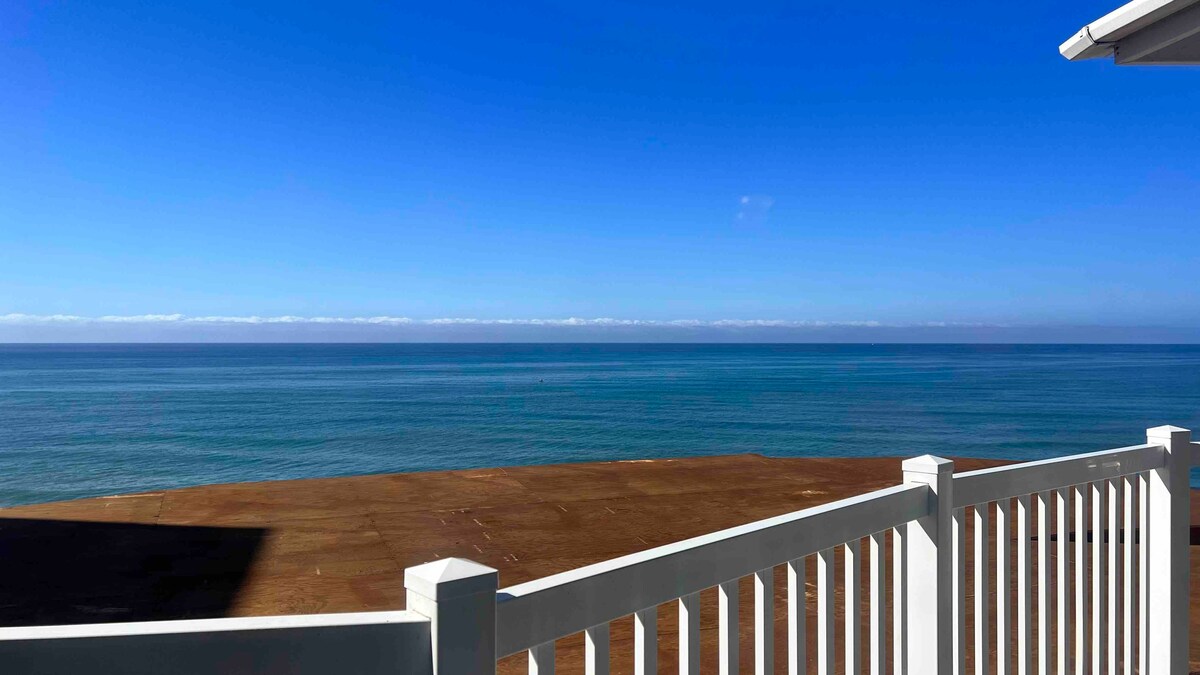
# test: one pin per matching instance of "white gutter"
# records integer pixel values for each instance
(1100, 36)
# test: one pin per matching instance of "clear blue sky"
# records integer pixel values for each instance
(900, 163)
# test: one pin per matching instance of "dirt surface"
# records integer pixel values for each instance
(341, 544)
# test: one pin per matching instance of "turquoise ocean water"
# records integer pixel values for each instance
(83, 420)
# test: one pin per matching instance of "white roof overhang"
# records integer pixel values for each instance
(1141, 32)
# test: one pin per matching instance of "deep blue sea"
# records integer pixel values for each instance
(84, 420)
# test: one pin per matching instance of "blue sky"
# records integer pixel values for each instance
(890, 164)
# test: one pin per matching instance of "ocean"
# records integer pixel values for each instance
(87, 420)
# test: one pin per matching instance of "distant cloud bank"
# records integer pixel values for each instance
(61, 319)
(44, 328)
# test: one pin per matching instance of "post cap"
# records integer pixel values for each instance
(450, 578)
(927, 464)
(1166, 431)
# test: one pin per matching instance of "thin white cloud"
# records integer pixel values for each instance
(182, 319)
(753, 209)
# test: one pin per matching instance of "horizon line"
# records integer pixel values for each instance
(593, 342)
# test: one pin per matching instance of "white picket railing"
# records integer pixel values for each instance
(1120, 608)
(531, 616)
(1102, 537)
(1107, 491)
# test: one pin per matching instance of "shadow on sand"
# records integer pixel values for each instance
(60, 572)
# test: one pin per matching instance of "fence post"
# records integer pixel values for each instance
(459, 598)
(1167, 564)
(929, 550)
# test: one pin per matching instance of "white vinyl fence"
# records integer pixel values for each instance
(1103, 538)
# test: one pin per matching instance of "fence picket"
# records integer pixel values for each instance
(596, 650)
(764, 622)
(797, 618)
(878, 636)
(1043, 579)
(727, 627)
(1024, 579)
(1063, 611)
(1003, 588)
(852, 585)
(899, 613)
(689, 634)
(1129, 582)
(541, 659)
(1114, 575)
(981, 589)
(825, 617)
(1143, 657)
(1099, 597)
(645, 642)
(959, 592)
(1081, 495)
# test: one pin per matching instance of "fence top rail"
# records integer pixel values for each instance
(1004, 482)
(134, 628)
(545, 609)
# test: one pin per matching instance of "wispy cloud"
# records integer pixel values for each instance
(753, 209)
(183, 319)
(45, 319)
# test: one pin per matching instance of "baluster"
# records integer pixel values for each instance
(958, 530)
(689, 634)
(1024, 577)
(764, 622)
(596, 650)
(728, 627)
(1063, 585)
(899, 575)
(1114, 574)
(1143, 539)
(1080, 495)
(825, 618)
(541, 659)
(1130, 485)
(1099, 598)
(878, 607)
(1003, 588)
(853, 594)
(645, 641)
(1043, 597)
(982, 612)
(797, 617)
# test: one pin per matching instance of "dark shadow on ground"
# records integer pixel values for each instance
(60, 572)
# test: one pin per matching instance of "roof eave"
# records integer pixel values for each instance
(1081, 46)
(1100, 36)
